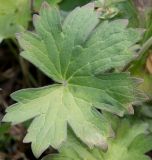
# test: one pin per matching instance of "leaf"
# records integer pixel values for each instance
(67, 5)
(130, 142)
(107, 9)
(128, 10)
(76, 54)
(105, 3)
(1, 39)
(4, 138)
(14, 17)
(50, 123)
(144, 112)
(37, 3)
(4, 128)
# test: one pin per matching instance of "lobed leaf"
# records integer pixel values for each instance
(50, 124)
(130, 142)
(75, 53)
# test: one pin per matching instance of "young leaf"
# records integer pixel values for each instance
(130, 143)
(14, 16)
(75, 54)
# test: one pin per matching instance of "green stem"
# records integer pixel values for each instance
(141, 54)
(145, 47)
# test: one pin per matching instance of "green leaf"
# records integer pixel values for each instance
(106, 3)
(50, 124)
(128, 10)
(14, 17)
(4, 137)
(130, 142)
(75, 53)
(1, 39)
(4, 128)
(37, 3)
(106, 9)
(144, 112)
(67, 5)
